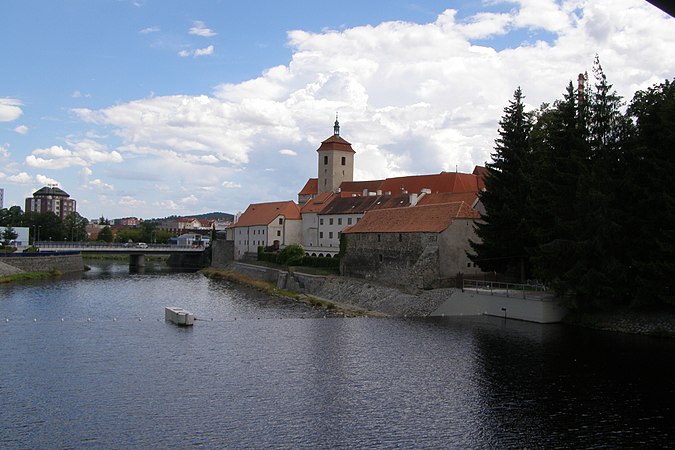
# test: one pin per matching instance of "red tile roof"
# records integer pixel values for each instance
(264, 213)
(470, 198)
(360, 204)
(318, 203)
(417, 219)
(440, 182)
(311, 187)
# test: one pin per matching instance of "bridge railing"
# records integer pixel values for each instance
(105, 245)
(534, 291)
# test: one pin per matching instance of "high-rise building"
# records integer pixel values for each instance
(51, 199)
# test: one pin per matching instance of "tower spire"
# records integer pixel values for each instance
(336, 127)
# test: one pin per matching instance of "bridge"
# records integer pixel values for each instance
(136, 251)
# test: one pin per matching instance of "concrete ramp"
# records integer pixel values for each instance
(467, 303)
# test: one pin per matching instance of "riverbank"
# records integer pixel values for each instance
(368, 298)
(656, 321)
(330, 306)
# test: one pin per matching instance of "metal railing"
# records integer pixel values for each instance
(520, 290)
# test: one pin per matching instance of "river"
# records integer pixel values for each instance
(88, 361)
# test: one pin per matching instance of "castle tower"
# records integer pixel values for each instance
(336, 161)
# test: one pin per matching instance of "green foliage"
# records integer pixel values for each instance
(9, 235)
(129, 235)
(585, 197)
(105, 235)
(317, 261)
(505, 197)
(75, 227)
(291, 253)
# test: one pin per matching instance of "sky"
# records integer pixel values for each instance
(152, 108)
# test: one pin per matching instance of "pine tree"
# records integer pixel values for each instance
(649, 200)
(503, 230)
(560, 153)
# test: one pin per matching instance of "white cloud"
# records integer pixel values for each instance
(204, 51)
(189, 200)
(149, 30)
(10, 109)
(412, 98)
(21, 129)
(200, 29)
(83, 153)
(197, 52)
(97, 184)
(45, 180)
(4, 153)
(20, 178)
(130, 202)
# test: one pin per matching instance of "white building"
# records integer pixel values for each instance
(276, 224)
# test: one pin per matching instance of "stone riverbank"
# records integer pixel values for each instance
(361, 294)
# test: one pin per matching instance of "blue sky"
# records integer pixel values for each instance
(150, 108)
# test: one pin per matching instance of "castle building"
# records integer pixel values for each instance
(51, 199)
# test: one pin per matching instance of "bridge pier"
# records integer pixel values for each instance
(136, 260)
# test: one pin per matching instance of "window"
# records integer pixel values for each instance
(281, 221)
(320, 234)
(330, 221)
(349, 220)
(400, 237)
(325, 160)
(339, 220)
(321, 221)
(378, 238)
(330, 235)
(344, 161)
(278, 232)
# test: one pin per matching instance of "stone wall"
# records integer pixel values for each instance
(406, 260)
(44, 262)
(223, 253)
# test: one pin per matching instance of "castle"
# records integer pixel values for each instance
(418, 208)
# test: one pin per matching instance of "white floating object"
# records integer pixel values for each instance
(179, 316)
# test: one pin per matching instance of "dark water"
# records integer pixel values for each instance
(113, 374)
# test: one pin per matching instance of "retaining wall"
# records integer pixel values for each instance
(393, 301)
(64, 262)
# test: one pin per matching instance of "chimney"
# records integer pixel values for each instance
(580, 89)
(365, 192)
(413, 199)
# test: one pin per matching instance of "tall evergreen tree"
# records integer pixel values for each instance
(648, 185)
(560, 152)
(503, 230)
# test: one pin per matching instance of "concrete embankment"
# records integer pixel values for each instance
(349, 292)
(64, 262)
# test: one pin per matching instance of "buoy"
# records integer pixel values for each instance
(61, 319)
(114, 319)
(34, 320)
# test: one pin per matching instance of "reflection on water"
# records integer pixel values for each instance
(262, 372)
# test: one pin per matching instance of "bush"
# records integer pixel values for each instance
(318, 261)
(291, 252)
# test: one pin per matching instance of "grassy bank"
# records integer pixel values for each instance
(271, 289)
(28, 276)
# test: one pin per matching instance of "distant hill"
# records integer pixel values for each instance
(206, 216)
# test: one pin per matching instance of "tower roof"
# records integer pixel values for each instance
(335, 142)
(51, 190)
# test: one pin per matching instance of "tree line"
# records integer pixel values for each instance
(48, 226)
(580, 194)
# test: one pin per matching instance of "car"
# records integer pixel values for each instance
(142, 245)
